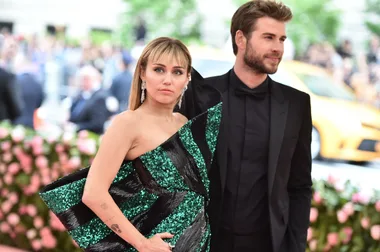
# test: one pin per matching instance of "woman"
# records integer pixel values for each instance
(147, 188)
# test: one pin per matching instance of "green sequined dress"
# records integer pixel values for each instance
(163, 190)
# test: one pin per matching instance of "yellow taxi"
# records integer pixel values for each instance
(343, 128)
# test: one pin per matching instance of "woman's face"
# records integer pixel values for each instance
(165, 79)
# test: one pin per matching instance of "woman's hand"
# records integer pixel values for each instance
(156, 243)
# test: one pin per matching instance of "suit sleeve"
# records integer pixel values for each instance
(13, 97)
(300, 184)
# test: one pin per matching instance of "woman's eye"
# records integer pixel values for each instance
(178, 72)
(159, 70)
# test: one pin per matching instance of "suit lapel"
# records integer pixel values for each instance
(221, 84)
(278, 116)
(223, 141)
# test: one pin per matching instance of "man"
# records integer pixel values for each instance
(121, 84)
(31, 90)
(11, 104)
(261, 183)
(93, 106)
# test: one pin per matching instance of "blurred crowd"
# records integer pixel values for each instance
(91, 82)
(358, 71)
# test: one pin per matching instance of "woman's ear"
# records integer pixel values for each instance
(142, 73)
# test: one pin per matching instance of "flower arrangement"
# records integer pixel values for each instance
(29, 161)
(342, 218)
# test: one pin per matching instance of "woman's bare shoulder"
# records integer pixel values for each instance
(126, 120)
(181, 118)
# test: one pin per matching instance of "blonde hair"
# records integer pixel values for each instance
(153, 51)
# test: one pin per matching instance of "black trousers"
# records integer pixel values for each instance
(259, 241)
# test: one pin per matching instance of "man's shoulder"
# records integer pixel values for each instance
(291, 92)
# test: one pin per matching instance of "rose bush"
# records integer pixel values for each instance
(342, 218)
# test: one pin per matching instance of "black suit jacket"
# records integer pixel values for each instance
(94, 113)
(289, 164)
(32, 95)
(10, 97)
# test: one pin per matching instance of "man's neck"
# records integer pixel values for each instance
(249, 77)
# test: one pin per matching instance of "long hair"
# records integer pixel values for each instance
(153, 51)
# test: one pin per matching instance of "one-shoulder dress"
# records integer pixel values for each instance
(163, 190)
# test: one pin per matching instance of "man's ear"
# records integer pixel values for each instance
(240, 40)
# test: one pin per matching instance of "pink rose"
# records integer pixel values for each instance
(5, 228)
(6, 146)
(87, 146)
(31, 234)
(332, 180)
(377, 206)
(365, 222)
(313, 214)
(342, 216)
(31, 210)
(313, 245)
(75, 162)
(17, 150)
(333, 239)
(360, 198)
(36, 245)
(3, 133)
(35, 181)
(348, 208)
(13, 198)
(6, 207)
(4, 192)
(13, 168)
(63, 158)
(309, 233)
(37, 141)
(347, 231)
(2, 168)
(49, 241)
(22, 210)
(375, 232)
(13, 219)
(42, 162)
(83, 134)
(8, 179)
(59, 148)
(38, 222)
(7, 157)
(38, 150)
(317, 198)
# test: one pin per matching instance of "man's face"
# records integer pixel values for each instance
(265, 46)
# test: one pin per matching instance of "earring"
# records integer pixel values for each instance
(180, 98)
(143, 87)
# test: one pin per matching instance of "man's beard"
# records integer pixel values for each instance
(256, 63)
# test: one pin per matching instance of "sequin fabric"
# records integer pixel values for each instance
(164, 190)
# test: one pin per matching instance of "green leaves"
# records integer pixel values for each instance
(173, 18)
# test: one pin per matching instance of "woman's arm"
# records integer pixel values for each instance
(116, 142)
